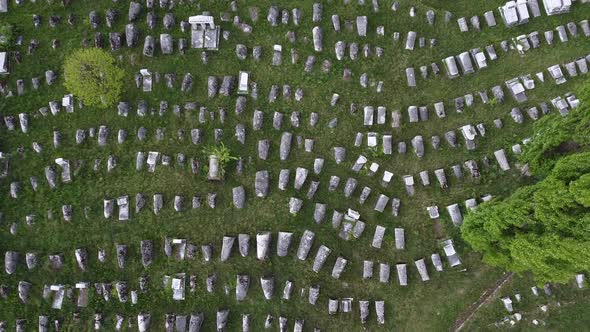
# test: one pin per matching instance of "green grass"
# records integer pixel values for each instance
(420, 306)
(567, 308)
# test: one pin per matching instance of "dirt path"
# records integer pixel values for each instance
(483, 299)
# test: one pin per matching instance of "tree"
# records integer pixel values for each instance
(541, 228)
(92, 75)
(555, 136)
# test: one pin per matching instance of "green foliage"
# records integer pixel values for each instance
(555, 136)
(6, 31)
(580, 190)
(541, 228)
(92, 75)
(223, 154)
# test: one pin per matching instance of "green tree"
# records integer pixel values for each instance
(555, 136)
(543, 229)
(92, 75)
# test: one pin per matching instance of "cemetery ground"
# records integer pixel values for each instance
(420, 306)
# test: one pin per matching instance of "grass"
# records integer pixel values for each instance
(420, 306)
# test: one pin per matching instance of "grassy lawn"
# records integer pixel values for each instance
(431, 306)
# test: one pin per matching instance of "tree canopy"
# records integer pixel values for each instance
(543, 228)
(92, 75)
(555, 136)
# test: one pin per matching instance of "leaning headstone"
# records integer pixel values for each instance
(242, 286)
(318, 37)
(319, 212)
(384, 272)
(226, 247)
(262, 245)
(283, 243)
(361, 25)
(317, 12)
(320, 258)
(380, 312)
(166, 43)
(305, 245)
(222, 317)
(268, 286)
(239, 197)
(339, 267)
(134, 11)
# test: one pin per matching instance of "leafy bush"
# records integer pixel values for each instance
(222, 153)
(92, 75)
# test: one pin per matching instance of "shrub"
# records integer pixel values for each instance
(92, 75)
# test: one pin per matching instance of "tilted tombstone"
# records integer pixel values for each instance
(451, 138)
(273, 15)
(115, 40)
(313, 187)
(349, 187)
(146, 250)
(333, 183)
(309, 62)
(378, 237)
(418, 145)
(380, 312)
(263, 148)
(395, 206)
(168, 21)
(422, 270)
(242, 286)
(300, 176)
(339, 267)
(222, 317)
(287, 290)
(263, 245)
(317, 12)
(268, 286)
(285, 146)
(283, 243)
(134, 11)
(227, 86)
(283, 179)
(411, 77)
(245, 323)
(367, 269)
(226, 247)
(361, 26)
(11, 259)
(31, 260)
(24, 289)
(305, 245)
(158, 203)
(364, 195)
(149, 46)
(455, 214)
(319, 212)
(166, 44)
(121, 251)
(320, 258)
(502, 160)
(384, 272)
(318, 38)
